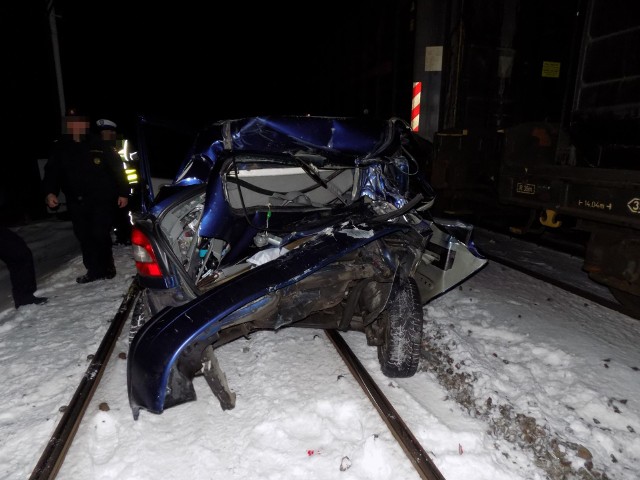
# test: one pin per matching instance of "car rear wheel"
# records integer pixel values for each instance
(139, 316)
(402, 323)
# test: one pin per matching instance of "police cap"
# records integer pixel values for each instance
(104, 124)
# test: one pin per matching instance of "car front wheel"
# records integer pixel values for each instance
(401, 320)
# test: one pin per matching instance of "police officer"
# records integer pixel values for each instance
(90, 174)
(15, 252)
(122, 220)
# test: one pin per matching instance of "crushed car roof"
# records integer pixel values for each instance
(355, 137)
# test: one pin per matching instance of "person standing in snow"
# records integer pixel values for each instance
(15, 252)
(122, 222)
(90, 174)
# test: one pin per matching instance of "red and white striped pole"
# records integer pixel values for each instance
(415, 106)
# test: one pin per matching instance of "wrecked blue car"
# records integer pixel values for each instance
(274, 222)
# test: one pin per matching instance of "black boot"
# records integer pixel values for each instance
(87, 278)
(30, 300)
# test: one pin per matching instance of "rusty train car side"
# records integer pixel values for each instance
(539, 125)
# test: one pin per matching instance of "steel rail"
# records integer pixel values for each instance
(412, 448)
(565, 285)
(59, 443)
(558, 244)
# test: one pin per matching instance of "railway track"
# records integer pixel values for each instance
(564, 284)
(54, 453)
(412, 448)
(560, 267)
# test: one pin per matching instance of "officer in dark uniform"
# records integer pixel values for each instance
(90, 174)
(15, 252)
(122, 221)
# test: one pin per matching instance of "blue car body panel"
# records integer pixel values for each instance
(158, 345)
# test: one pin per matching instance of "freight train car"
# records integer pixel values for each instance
(538, 121)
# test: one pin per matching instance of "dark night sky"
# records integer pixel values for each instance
(203, 61)
(188, 61)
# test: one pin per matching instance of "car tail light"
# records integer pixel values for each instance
(143, 254)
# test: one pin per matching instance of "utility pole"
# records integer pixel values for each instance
(56, 55)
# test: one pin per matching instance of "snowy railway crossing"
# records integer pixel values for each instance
(53, 456)
(519, 380)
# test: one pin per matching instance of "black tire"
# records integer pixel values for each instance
(401, 319)
(139, 316)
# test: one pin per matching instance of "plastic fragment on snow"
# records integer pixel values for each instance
(345, 464)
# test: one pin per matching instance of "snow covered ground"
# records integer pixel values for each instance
(520, 380)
